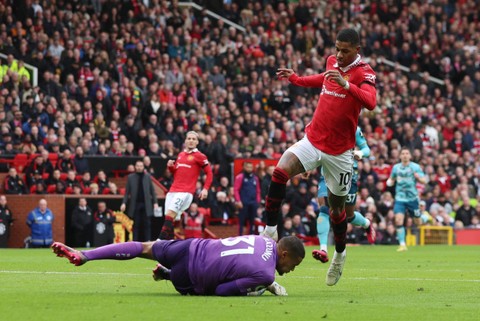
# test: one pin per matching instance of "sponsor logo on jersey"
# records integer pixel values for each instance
(184, 165)
(325, 91)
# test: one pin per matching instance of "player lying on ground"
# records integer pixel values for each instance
(243, 265)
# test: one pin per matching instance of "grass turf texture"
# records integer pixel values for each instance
(425, 283)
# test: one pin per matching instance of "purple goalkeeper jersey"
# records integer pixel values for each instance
(232, 266)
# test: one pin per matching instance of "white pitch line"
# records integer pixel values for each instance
(392, 279)
(71, 273)
(293, 277)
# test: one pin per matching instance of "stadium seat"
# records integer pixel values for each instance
(51, 189)
(106, 191)
(121, 191)
(33, 189)
(63, 176)
(53, 158)
(20, 162)
(69, 190)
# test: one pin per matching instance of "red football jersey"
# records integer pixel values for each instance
(186, 171)
(332, 129)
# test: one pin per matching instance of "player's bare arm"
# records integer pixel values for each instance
(284, 73)
(419, 178)
(203, 194)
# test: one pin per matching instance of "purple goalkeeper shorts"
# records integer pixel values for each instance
(174, 256)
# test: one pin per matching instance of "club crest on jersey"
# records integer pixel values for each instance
(346, 77)
(370, 77)
(190, 157)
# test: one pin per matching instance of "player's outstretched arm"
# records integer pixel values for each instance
(277, 289)
(284, 73)
(243, 286)
(313, 81)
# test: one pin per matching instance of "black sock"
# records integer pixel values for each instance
(167, 229)
(339, 227)
(275, 196)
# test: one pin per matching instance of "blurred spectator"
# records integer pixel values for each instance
(82, 217)
(301, 198)
(193, 222)
(465, 213)
(65, 163)
(40, 222)
(80, 162)
(36, 167)
(142, 201)
(388, 235)
(287, 229)
(103, 219)
(223, 209)
(102, 181)
(94, 190)
(71, 180)
(6, 220)
(14, 184)
(297, 226)
(247, 197)
(85, 182)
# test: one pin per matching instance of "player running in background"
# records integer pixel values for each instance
(406, 174)
(185, 170)
(347, 86)
(353, 217)
(243, 265)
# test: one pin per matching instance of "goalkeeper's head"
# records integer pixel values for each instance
(290, 253)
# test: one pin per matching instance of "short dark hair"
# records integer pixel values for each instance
(349, 35)
(293, 245)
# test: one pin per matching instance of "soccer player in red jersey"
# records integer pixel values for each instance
(348, 85)
(185, 170)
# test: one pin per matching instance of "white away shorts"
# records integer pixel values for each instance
(337, 169)
(178, 202)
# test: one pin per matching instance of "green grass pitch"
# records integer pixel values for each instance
(425, 283)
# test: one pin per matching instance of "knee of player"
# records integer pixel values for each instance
(280, 175)
(350, 210)
(147, 249)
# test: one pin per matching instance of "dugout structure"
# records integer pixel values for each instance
(436, 235)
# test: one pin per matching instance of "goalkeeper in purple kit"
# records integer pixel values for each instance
(243, 265)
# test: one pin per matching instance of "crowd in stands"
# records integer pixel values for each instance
(132, 77)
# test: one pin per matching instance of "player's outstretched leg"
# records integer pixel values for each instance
(339, 226)
(75, 257)
(371, 234)
(161, 273)
(167, 232)
(320, 255)
(360, 220)
(120, 251)
(401, 239)
(336, 268)
(273, 201)
(323, 228)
